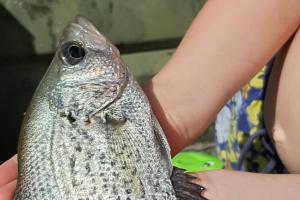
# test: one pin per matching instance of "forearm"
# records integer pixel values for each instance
(225, 46)
(221, 184)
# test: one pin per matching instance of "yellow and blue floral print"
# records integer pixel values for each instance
(241, 119)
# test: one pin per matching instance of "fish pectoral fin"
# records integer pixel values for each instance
(163, 143)
(184, 188)
(114, 117)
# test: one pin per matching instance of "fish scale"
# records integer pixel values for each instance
(89, 132)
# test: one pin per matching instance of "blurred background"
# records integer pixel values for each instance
(146, 32)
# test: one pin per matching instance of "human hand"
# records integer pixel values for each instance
(236, 185)
(8, 178)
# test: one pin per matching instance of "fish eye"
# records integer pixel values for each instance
(72, 53)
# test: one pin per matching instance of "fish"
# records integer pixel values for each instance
(90, 133)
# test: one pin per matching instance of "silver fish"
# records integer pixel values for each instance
(89, 132)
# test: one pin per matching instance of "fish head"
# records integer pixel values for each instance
(91, 73)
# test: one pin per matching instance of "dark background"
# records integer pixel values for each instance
(20, 71)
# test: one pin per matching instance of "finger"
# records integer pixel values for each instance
(8, 171)
(7, 191)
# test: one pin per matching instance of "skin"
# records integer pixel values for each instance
(8, 175)
(224, 47)
(282, 105)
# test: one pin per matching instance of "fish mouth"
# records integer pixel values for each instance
(83, 29)
(86, 24)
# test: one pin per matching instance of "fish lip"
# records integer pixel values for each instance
(83, 28)
(86, 24)
(81, 20)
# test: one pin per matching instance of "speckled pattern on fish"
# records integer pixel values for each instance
(89, 132)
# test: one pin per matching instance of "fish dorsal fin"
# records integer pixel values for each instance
(184, 188)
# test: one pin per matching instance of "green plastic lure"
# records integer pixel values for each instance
(196, 162)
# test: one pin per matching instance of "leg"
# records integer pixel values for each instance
(282, 104)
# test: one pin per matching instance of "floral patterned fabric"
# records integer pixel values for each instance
(239, 119)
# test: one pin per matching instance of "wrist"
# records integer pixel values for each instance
(162, 109)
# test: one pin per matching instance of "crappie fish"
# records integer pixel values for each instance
(89, 132)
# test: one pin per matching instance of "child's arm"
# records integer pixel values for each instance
(228, 42)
